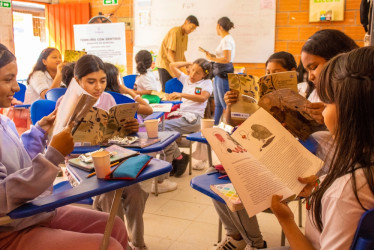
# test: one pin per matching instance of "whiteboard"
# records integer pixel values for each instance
(254, 22)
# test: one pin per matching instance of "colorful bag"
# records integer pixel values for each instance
(130, 168)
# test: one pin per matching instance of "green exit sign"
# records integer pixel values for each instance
(110, 2)
(5, 4)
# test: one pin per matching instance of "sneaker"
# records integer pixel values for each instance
(163, 187)
(200, 165)
(248, 247)
(131, 246)
(180, 166)
(229, 243)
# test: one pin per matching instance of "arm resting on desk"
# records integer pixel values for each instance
(28, 182)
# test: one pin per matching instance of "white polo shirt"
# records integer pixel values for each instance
(194, 89)
(38, 82)
(147, 81)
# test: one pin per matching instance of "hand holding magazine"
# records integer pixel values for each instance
(262, 159)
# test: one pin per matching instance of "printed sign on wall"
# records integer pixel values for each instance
(326, 10)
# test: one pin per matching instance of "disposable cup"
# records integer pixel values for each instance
(206, 123)
(152, 128)
(101, 161)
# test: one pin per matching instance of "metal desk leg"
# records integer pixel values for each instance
(210, 156)
(190, 164)
(112, 215)
(156, 186)
(163, 122)
(219, 230)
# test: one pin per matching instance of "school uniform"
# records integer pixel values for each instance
(341, 213)
(190, 113)
(39, 81)
(147, 81)
(27, 174)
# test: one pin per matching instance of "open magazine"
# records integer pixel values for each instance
(288, 107)
(262, 159)
(98, 125)
(251, 88)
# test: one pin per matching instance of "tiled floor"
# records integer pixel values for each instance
(186, 218)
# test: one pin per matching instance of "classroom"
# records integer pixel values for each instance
(186, 124)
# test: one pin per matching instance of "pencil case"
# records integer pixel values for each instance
(130, 168)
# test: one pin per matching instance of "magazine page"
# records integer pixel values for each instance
(254, 183)
(277, 149)
(287, 106)
(91, 128)
(118, 116)
(71, 106)
(247, 88)
(281, 80)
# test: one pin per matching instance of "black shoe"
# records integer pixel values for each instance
(173, 169)
(181, 165)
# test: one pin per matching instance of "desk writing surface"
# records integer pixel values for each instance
(167, 137)
(202, 184)
(197, 136)
(89, 187)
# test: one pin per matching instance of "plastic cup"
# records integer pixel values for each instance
(206, 123)
(152, 128)
(101, 161)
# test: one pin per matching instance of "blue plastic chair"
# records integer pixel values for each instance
(20, 95)
(173, 85)
(129, 81)
(364, 236)
(41, 108)
(55, 94)
(119, 98)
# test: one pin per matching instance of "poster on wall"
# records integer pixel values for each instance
(6, 24)
(323, 10)
(107, 41)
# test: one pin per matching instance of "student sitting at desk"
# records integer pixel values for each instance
(45, 75)
(346, 87)
(241, 229)
(90, 74)
(27, 174)
(115, 85)
(146, 82)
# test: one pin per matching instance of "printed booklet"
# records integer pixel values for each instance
(261, 159)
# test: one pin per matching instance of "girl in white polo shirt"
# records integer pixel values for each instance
(197, 87)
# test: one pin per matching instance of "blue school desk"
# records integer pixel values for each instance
(87, 188)
(167, 137)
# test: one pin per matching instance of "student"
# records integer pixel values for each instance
(197, 87)
(24, 167)
(146, 81)
(225, 54)
(317, 50)
(278, 62)
(241, 229)
(115, 85)
(45, 75)
(173, 47)
(346, 87)
(90, 74)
